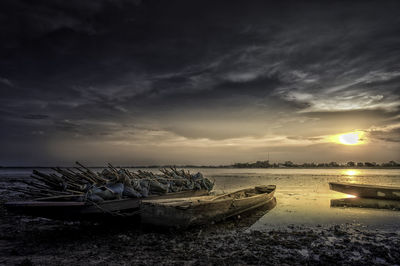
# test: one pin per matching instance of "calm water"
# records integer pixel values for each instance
(303, 195)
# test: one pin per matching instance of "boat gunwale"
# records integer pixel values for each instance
(364, 185)
(270, 190)
(83, 204)
(214, 199)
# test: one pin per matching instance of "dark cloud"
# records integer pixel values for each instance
(390, 134)
(36, 116)
(352, 115)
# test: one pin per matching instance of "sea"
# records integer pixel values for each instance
(303, 196)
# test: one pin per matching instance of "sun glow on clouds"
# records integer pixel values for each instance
(164, 138)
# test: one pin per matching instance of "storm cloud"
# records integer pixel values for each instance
(196, 81)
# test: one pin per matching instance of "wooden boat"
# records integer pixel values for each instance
(366, 203)
(367, 191)
(73, 210)
(201, 210)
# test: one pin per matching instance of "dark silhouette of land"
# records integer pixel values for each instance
(289, 164)
(257, 164)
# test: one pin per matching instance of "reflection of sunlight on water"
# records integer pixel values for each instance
(350, 172)
(352, 175)
(337, 195)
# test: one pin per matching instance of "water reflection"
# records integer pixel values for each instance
(249, 218)
(351, 175)
(351, 172)
(366, 203)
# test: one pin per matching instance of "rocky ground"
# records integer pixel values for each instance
(27, 241)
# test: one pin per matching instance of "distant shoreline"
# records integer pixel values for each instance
(205, 167)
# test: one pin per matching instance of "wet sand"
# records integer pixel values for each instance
(37, 241)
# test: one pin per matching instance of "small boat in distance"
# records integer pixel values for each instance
(185, 212)
(367, 191)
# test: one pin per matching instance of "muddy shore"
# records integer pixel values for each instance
(37, 241)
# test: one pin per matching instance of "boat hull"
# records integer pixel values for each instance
(366, 203)
(202, 210)
(71, 210)
(367, 191)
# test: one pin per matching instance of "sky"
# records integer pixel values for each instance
(198, 82)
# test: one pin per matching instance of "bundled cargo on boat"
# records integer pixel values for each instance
(83, 184)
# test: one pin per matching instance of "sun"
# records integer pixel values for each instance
(349, 138)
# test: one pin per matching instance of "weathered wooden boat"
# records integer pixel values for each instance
(74, 210)
(366, 203)
(201, 210)
(367, 191)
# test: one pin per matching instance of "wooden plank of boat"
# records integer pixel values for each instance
(72, 210)
(366, 203)
(130, 204)
(367, 191)
(202, 210)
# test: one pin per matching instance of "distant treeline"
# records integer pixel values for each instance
(289, 164)
(258, 164)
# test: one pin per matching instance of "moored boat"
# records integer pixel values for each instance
(185, 212)
(367, 191)
(86, 210)
(81, 193)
